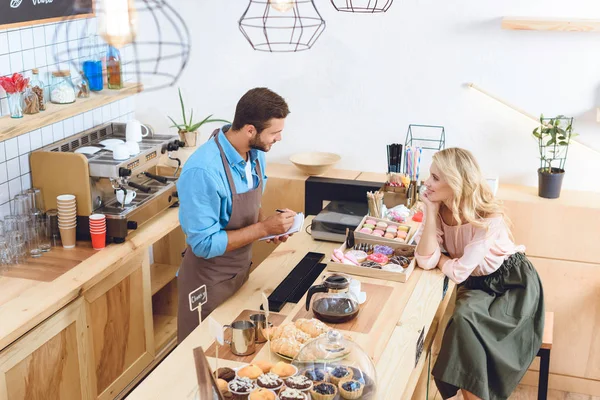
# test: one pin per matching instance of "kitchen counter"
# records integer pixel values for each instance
(390, 342)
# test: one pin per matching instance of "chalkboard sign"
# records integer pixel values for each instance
(16, 13)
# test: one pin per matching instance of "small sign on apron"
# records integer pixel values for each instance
(198, 297)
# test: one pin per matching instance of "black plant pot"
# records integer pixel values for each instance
(549, 184)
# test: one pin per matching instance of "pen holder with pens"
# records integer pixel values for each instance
(412, 194)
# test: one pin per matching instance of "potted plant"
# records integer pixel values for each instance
(554, 137)
(188, 130)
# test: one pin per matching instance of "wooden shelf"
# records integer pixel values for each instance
(165, 329)
(559, 25)
(11, 127)
(161, 274)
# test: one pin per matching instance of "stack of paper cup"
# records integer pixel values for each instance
(98, 231)
(67, 219)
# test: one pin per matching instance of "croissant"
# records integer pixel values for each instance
(312, 326)
(286, 346)
(289, 331)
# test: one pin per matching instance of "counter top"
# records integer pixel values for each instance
(24, 303)
(387, 343)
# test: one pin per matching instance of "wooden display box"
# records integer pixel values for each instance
(374, 273)
(382, 240)
(393, 195)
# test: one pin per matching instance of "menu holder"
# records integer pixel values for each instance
(207, 384)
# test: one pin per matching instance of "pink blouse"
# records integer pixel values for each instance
(473, 251)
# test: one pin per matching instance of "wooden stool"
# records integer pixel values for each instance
(544, 354)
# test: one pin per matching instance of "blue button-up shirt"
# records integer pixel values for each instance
(205, 198)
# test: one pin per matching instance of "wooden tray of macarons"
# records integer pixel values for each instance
(377, 257)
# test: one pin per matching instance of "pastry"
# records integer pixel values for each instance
(358, 255)
(291, 394)
(378, 258)
(250, 371)
(371, 264)
(377, 232)
(241, 386)
(340, 374)
(370, 226)
(367, 248)
(385, 250)
(406, 252)
(262, 394)
(300, 382)
(286, 346)
(222, 385)
(392, 229)
(351, 389)
(401, 235)
(399, 260)
(389, 235)
(312, 327)
(371, 222)
(264, 365)
(269, 381)
(290, 331)
(403, 228)
(316, 374)
(381, 225)
(366, 230)
(284, 369)
(227, 374)
(323, 391)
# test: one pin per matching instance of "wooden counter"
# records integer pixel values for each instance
(390, 343)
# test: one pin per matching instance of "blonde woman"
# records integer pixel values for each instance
(497, 325)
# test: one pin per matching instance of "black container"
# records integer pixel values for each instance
(549, 184)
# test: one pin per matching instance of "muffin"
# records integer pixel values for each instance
(227, 374)
(316, 374)
(291, 394)
(222, 385)
(340, 374)
(250, 371)
(323, 391)
(264, 365)
(262, 394)
(299, 382)
(351, 389)
(241, 387)
(284, 369)
(269, 381)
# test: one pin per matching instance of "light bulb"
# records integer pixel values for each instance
(117, 23)
(282, 5)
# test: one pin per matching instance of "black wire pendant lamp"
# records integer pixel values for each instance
(281, 26)
(362, 6)
(157, 49)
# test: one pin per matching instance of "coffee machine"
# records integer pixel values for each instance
(83, 165)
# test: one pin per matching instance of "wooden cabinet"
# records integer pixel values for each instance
(119, 315)
(49, 362)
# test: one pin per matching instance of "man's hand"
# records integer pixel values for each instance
(279, 239)
(279, 223)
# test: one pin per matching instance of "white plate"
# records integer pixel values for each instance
(87, 150)
(111, 142)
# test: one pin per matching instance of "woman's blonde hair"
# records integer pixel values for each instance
(473, 199)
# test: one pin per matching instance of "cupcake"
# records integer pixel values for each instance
(366, 230)
(323, 391)
(299, 382)
(371, 222)
(378, 232)
(264, 365)
(269, 381)
(340, 374)
(381, 225)
(241, 387)
(316, 374)
(250, 371)
(284, 369)
(227, 374)
(351, 389)
(359, 255)
(291, 394)
(262, 394)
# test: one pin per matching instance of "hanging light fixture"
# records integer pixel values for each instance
(154, 49)
(281, 25)
(362, 6)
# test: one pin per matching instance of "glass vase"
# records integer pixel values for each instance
(15, 104)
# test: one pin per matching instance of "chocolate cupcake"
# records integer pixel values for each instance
(316, 374)
(291, 394)
(339, 374)
(299, 382)
(241, 387)
(323, 391)
(227, 374)
(269, 381)
(351, 389)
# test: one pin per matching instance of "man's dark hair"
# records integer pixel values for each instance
(257, 107)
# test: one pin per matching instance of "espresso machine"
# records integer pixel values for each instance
(83, 165)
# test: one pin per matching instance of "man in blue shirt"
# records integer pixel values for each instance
(220, 191)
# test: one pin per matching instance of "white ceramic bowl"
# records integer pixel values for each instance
(315, 163)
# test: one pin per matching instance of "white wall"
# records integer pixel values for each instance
(369, 76)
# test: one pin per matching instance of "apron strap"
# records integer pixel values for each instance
(226, 166)
(260, 175)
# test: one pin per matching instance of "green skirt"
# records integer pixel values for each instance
(495, 332)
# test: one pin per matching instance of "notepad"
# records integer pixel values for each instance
(296, 227)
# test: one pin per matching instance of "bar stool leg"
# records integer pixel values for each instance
(544, 373)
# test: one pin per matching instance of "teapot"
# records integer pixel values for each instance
(332, 300)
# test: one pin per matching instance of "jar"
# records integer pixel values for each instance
(62, 90)
(83, 86)
(31, 102)
(38, 87)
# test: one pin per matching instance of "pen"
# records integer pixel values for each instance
(279, 211)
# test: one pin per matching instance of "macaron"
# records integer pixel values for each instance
(382, 225)
(389, 235)
(403, 228)
(401, 235)
(366, 230)
(370, 226)
(391, 229)
(371, 222)
(378, 232)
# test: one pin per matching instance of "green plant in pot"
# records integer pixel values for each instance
(188, 130)
(554, 136)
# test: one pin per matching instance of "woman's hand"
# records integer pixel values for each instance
(431, 207)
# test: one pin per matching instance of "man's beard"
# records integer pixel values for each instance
(258, 145)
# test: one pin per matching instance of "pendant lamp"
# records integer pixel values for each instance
(153, 39)
(362, 6)
(279, 26)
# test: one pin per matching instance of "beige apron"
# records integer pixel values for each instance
(222, 275)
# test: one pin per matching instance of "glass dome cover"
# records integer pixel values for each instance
(337, 364)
